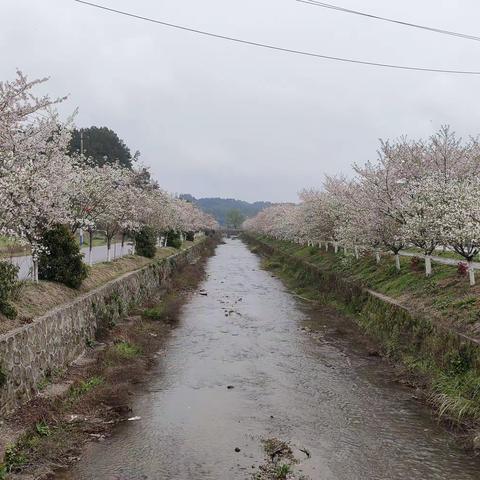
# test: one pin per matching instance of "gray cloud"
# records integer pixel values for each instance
(213, 118)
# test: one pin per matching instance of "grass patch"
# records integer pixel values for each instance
(43, 429)
(127, 350)
(83, 387)
(282, 471)
(168, 307)
(155, 313)
(13, 460)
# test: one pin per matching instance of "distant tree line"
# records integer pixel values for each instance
(221, 208)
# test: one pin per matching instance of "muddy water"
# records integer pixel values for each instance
(299, 375)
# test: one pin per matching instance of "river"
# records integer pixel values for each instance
(299, 374)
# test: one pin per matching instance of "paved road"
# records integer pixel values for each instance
(99, 254)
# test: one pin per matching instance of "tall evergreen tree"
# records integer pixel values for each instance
(102, 145)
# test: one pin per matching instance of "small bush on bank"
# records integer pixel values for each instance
(462, 269)
(173, 239)
(155, 313)
(61, 260)
(190, 236)
(146, 242)
(415, 264)
(8, 284)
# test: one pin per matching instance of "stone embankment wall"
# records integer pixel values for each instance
(30, 353)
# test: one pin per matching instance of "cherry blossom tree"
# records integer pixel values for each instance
(35, 170)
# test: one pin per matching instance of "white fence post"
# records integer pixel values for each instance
(471, 273)
(428, 265)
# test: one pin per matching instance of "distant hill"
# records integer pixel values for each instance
(219, 207)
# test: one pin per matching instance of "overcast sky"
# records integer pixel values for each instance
(213, 118)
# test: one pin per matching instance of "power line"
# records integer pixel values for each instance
(391, 20)
(274, 47)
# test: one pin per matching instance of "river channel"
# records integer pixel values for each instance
(248, 361)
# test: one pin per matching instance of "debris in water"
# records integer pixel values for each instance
(134, 419)
(280, 462)
(237, 449)
(305, 451)
(229, 387)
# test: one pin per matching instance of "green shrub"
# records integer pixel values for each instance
(155, 313)
(13, 459)
(190, 236)
(61, 261)
(8, 283)
(146, 242)
(173, 239)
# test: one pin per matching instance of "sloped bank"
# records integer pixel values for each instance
(51, 342)
(441, 359)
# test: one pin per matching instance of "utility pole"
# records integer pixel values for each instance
(81, 153)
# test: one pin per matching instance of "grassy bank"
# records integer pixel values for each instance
(418, 324)
(445, 297)
(85, 403)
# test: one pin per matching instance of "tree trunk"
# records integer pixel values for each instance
(109, 251)
(326, 246)
(397, 262)
(356, 252)
(90, 246)
(81, 237)
(377, 256)
(336, 247)
(123, 243)
(34, 270)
